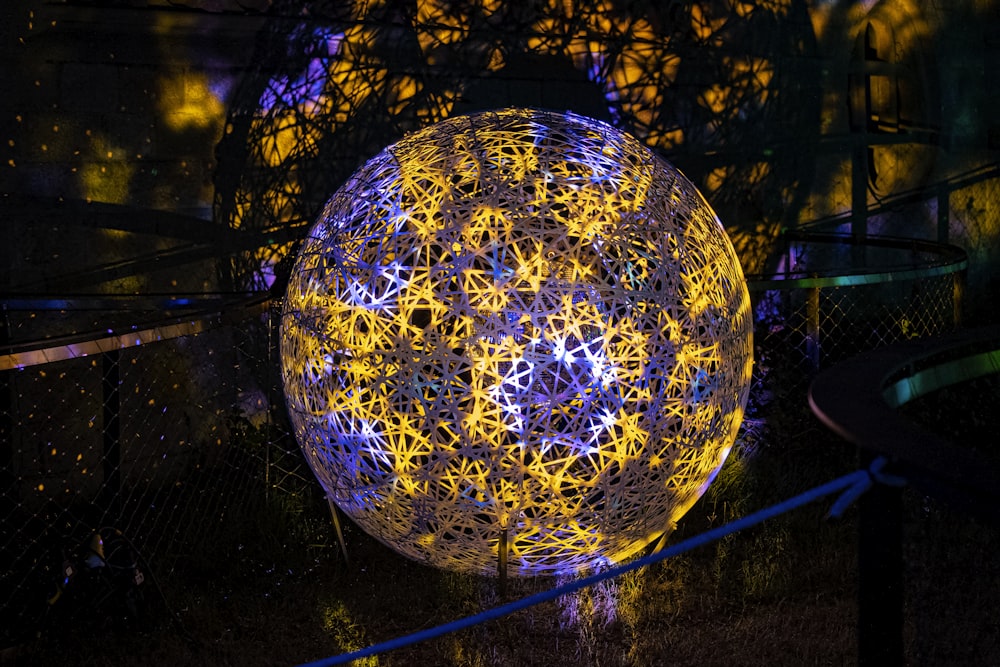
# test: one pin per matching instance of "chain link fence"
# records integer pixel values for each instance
(173, 434)
(168, 437)
(833, 296)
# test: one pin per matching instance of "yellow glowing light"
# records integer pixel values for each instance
(516, 323)
(105, 181)
(439, 25)
(633, 57)
(187, 103)
(703, 25)
(347, 634)
(284, 137)
(716, 178)
(403, 92)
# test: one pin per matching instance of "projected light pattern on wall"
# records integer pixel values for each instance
(516, 328)
(724, 87)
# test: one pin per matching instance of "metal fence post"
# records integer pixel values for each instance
(880, 576)
(812, 328)
(943, 212)
(957, 297)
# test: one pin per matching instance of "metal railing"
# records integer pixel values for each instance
(160, 425)
(860, 399)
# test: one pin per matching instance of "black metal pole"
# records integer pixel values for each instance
(502, 549)
(880, 576)
(812, 329)
(944, 213)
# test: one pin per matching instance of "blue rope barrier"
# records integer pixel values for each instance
(852, 486)
(875, 474)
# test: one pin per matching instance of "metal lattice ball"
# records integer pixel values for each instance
(516, 338)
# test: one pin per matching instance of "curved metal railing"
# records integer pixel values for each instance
(202, 312)
(859, 399)
(832, 295)
(917, 258)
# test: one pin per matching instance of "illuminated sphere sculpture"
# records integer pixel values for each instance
(516, 339)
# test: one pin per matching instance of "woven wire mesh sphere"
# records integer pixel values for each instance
(520, 332)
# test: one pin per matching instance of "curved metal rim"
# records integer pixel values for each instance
(36, 353)
(856, 400)
(952, 260)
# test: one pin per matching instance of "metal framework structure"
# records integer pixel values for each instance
(723, 88)
(516, 338)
